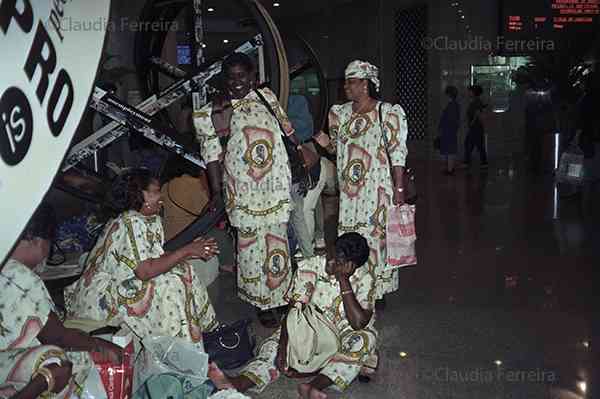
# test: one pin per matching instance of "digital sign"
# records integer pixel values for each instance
(550, 20)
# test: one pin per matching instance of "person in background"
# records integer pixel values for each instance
(475, 134)
(186, 195)
(371, 155)
(39, 357)
(448, 129)
(344, 289)
(303, 214)
(242, 144)
(130, 278)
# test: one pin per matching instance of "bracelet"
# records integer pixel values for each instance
(347, 292)
(47, 374)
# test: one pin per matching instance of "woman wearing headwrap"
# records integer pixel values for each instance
(370, 164)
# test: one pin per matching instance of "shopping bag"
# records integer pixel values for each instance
(117, 378)
(172, 355)
(401, 236)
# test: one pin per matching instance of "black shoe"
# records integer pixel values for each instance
(380, 304)
(268, 318)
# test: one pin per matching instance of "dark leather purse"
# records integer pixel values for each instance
(230, 346)
(409, 183)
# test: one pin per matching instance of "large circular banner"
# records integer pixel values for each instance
(50, 53)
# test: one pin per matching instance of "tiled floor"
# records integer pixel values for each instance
(499, 279)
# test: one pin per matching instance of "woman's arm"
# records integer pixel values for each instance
(61, 375)
(357, 316)
(204, 248)
(55, 333)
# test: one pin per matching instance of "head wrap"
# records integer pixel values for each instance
(363, 70)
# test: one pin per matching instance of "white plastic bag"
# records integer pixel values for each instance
(171, 355)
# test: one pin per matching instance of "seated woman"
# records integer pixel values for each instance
(33, 341)
(128, 275)
(344, 290)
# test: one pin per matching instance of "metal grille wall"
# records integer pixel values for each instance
(411, 69)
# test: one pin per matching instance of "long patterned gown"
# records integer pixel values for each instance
(174, 303)
(25, 306)
(257, 184)
(357, 347)
(364, 175)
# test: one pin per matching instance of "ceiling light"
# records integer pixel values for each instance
(203, 45)
(586, 344)
(225, 41)
(210, 9)
(498, 362)
(275, 4)
(403, 354)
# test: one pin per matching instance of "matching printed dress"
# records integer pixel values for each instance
(174, 303)
(257, 183)
(364, 175)
(312, 284)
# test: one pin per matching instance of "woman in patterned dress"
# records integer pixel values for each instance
(242, 144)
(33, 341)
(344, 290)
(370, 164)
(130, 278)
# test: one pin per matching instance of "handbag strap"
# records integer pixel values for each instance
(382, 127)
(264, 101)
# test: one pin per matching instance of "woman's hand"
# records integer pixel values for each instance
(108, 352)
(322, 139)
(62, 375)
(398, 196)
(344, 270)
(202, 248)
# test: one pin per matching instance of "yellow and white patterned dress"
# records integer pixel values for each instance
(313, 284)
(364, 176)
(25, 306)
(174, 303)
(257, 183)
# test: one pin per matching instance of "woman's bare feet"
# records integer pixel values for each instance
(218, 377)
(307, 391)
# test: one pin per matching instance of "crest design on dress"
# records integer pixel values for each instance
(355, 172)
(259, 152)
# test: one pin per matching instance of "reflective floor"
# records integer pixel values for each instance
(497, 306)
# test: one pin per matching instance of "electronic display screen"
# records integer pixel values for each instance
(526, 25)
(184, 54)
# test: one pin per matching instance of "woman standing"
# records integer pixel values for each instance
(369, 138)
(242, 144)
(128, 275)
(449, 123)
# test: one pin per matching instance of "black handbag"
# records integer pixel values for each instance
(230, 346)
(409, 184)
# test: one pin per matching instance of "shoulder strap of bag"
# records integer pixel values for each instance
(382, 127)
(271, 111)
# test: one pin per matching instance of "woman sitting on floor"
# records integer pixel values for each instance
(33, 341)
(344, 290)
(130, 277)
